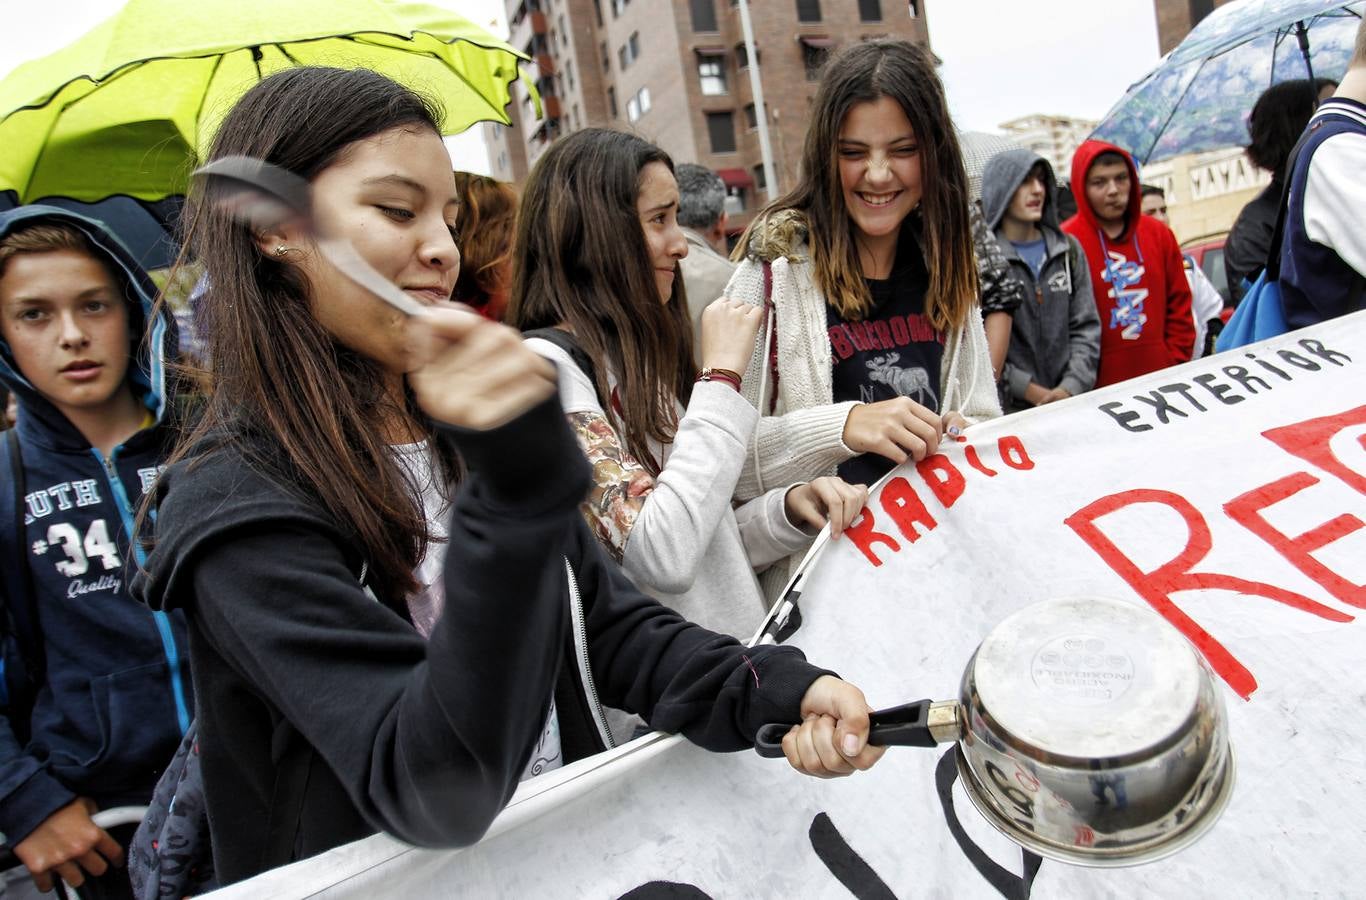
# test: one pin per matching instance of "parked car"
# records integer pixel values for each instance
(1208, 253)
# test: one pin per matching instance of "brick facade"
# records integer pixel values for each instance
(1176, 18)
(567, 38)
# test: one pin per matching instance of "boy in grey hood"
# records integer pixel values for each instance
(1055, 335)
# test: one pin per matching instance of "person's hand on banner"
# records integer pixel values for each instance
(1055, 395)
(833, 737)
(898, 429)
(825, 500)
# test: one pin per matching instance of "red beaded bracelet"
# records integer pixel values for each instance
(725, 375)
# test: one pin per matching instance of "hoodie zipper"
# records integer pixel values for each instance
(163, 623)
(581, 652)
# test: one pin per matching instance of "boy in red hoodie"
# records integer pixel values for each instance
(1142, 295)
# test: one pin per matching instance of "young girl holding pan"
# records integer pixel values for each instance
(395, 611)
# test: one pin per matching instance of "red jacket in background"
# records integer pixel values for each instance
(1140, 284)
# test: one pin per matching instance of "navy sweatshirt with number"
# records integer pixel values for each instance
(115, 694)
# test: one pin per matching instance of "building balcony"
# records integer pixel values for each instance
(532, 24)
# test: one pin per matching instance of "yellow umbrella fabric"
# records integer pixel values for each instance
(125, 108)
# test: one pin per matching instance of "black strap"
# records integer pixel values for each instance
(569, 344)
(21, 613)
(1273, 256)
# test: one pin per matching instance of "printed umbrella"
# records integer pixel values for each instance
(123, 109)
(1199, 97)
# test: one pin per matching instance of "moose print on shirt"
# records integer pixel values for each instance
(909, 381)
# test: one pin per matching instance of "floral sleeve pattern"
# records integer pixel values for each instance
(620, 483)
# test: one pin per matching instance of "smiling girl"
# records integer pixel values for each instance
(375, 646)
(597, 257)
(873, 342)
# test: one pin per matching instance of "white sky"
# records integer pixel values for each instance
(1002, 58)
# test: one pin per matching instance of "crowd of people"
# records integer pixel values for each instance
(357, 570)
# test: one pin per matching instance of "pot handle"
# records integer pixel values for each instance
(900, 726)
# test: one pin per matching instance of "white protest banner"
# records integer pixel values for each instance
(1227, 494)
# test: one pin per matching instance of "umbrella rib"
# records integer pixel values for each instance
(204, 97)
(1171, 115)
(357, 40)
(456, 72)
(47, 137)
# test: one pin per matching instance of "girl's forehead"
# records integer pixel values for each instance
(403, 156)
(879, 119)
(656, 182)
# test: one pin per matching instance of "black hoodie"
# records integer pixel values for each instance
(115, 697)
(324, 716)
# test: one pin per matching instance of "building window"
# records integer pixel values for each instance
(808, 10)
(721, 130)
(759, 181)
(597, 11)
(564, 33)
(815, 51)
(703, 15)
(612, 101)
(619, 7)
(606, 57)
(574, 115)
(569, 72)
(711, 73)
(638, 105)
(870, 10)
(751, 117)
(629, 51)
(915, 8)
(735, 200)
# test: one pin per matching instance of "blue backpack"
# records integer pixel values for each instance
(1260, 315)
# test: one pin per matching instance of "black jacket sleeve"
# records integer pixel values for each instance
(678, 676)
(428, 738)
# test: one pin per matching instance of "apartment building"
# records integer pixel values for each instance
(676, 72)
(1055, 138)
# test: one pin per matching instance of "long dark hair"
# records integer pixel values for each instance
(863, 73)
(581, 260)
(1278, 118)
(297, 404)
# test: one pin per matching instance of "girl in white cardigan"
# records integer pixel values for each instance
(596, 285)
(873, 344)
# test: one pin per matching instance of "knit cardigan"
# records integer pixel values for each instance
(803, 438)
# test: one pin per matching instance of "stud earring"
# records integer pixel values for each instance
(281, 250)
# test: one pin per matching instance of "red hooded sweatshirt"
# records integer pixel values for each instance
(1140, 283)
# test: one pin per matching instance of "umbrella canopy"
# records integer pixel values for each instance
(1199, 97)
(123, 109)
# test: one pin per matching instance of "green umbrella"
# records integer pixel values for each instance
(125, 108)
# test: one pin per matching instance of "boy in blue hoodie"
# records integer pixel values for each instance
(105, 694)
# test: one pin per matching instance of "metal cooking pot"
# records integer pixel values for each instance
(1088, 730)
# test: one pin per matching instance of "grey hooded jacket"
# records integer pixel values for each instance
(1055, 335)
